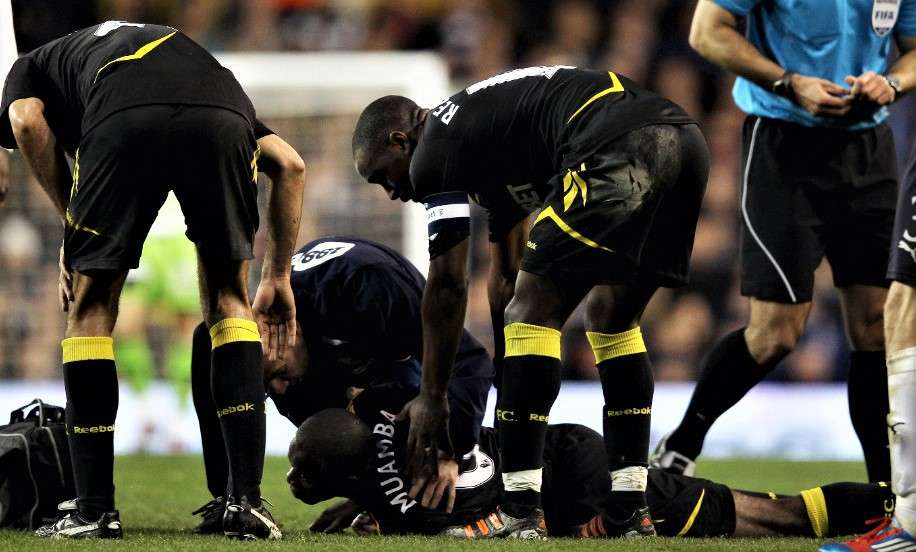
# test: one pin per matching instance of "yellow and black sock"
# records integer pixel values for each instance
(237, 384)
(216, 464)
(868, 409)
(626, 380)
(91, 384)
(531, 383)
(846, 508)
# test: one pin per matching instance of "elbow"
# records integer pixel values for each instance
(26, 117)
(698, 39)
(450, 286)
(293, 167)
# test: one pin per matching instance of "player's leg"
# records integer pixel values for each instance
(91, 384)
(612, 327)
(531, 383)
(217, 193)
(216, 464)
(867, 380)
(900, 320)
(779, 254)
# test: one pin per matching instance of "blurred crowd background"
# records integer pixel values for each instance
(643, 39)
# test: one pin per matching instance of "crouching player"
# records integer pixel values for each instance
(358, 317)
(361, 455)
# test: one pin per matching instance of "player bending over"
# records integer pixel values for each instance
(143, 110)
(363, 457)
(618, 174)
(358, 312)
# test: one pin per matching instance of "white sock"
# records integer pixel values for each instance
(630, 478)
(525, 480)
(901, 385)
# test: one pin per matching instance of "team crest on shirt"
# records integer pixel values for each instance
(884, 16)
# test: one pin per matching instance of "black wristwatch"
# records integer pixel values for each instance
(894, 83)
(783, 86)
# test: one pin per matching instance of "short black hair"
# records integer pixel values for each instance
(379, 120)
(331, 443)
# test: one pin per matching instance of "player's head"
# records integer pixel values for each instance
(328, 455)
(384, 141)
(280, 373)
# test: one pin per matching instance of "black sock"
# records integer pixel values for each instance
(531, 384)
(729, 373)
(237, 382)
(628, 386)
(868, 409)
(216, 464)
(91, 383)
(845, 508)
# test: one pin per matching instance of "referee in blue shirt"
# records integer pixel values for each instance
(818, 179)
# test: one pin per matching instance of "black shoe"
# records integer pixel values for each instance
(500, 525)
(246, 522)
(638, 526)
(73, 525)
(212, 514)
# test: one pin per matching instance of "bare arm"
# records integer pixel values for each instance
(274, 307)
(4, 174)
(40, 148)
(505, 261)
(872, 87)
(714, 35)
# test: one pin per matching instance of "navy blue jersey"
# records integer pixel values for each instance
(358, 303)
(89, 74)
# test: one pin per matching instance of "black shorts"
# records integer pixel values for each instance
(576, 486)
(127, 164)
(810, 192)
(902, 265)
(626, 214)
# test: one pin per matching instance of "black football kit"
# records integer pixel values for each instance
(617, 172)
(143, 109)
(358, 303)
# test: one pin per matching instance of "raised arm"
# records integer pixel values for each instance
(273, 307)
(40, 148)
(714, 35)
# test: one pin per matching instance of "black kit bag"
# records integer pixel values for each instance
(35, 469)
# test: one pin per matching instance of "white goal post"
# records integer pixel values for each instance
(315, 84)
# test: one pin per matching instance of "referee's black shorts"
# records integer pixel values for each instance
(809, 192)
(902, 265)
(126, 165)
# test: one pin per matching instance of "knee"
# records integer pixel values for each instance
(774, 339)
(900, 317)
(866, 331)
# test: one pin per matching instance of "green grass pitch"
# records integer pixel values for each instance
(156, 495)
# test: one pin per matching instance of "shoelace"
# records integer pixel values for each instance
(877, 532)
(212, 507)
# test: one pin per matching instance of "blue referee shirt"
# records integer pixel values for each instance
(820, 38)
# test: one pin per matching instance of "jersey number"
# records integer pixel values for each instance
(321, 253)
(546, 71)
(109, 26)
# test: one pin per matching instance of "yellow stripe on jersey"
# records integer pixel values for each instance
(142, 51)
(254, 164)
(693, 515)
(615, 87)
(549, 213)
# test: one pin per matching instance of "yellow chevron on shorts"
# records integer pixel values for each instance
(816, 505)
(693, 515)
(76, 349)
(573, 184)
(615, 87)
(232, 330)
(528, 339)
(549, 213)
(608, 346)
(141, 51)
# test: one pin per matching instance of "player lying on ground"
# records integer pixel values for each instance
(358, 312)
(143, 110)
(362, 457)
(618, 174)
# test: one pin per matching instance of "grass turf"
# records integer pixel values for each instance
(157, 493)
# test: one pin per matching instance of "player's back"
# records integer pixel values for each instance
(94, 72)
